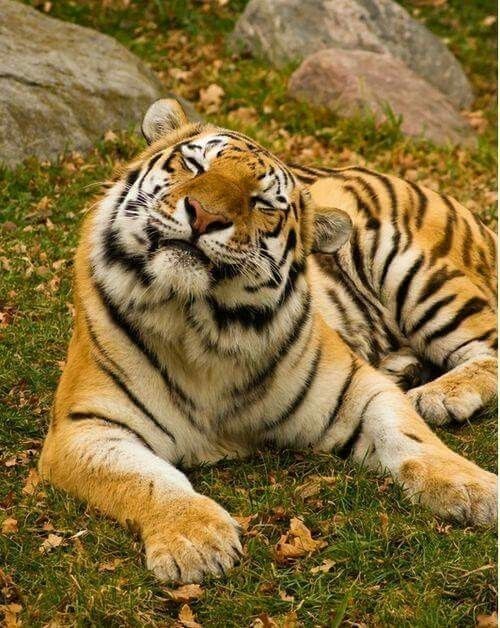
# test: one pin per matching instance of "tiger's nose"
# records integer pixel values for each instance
(202, 221)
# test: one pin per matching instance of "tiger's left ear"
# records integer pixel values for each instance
(324, 229)
(162, 117)
(332, 229)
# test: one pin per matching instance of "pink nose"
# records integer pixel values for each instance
(202, 221)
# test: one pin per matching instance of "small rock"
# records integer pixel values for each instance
(355, 81)
(285, 31)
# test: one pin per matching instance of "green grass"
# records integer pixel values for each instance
(395, 565)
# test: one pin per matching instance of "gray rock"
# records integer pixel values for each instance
(290, 30)
(354, 81)
(62, 86)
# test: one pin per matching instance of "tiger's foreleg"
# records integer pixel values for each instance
(186, 535)
(379, 426)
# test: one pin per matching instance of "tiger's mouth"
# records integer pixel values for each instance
(190, 249)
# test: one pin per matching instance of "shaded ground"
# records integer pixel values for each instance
(393, 565)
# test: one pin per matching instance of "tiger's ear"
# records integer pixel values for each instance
(332, 228)
(162, 117)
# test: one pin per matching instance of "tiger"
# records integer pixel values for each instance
(226, 302)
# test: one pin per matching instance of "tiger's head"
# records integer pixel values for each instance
(206, 209)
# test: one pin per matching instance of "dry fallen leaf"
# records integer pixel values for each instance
(110, 136)
(10, 613)
(211, 98)
(50, 543)
(186, 593)
(187, 617)
(296, 543)
(313, 485)
(244, 522)
(325, 566)
(32, 481)
(9, 526)
(264, 621)
(285, 597)
(110, 565)
(487, 621)
(489, 20)
(384, 522)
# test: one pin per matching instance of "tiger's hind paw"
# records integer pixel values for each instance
(440, 406)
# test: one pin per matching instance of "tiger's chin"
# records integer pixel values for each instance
(182, 273)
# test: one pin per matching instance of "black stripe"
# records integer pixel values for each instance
(414, 437)
(251, 316)
(431, 312)
(265, 374)
(362, 206)
(404, 287)
(436, 281)
(114, 253)
(355, 366)
(80, 416)
(292, 407)
(357, 258)
(100, 348)
(133, 335)
(396, 238)
(346, 449)
(137, 402)
(443, 247)
(479, 338)
(471, 307)
(423, 203)
(346, 322)
(467, 243)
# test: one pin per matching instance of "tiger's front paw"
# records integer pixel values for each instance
(194, 538)
(452, 487)
(439, 404)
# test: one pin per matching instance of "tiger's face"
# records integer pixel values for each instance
(203, 208)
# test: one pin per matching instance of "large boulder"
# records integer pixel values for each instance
(287, 31)
(356, 81)
(62, 86)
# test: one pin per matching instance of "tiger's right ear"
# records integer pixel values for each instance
(162, 117)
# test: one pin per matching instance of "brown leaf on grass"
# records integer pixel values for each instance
(8, 588)
(477, 120)
(244, 522)
(489, 20)
(285, 597)
(187, 618)
(110, 565)
(325, 566)
(487, 621)
(32, 481)
(384, 522)
(264, 621)
(211, 98)
(10, 613)
(7, 500)
(313, 486)
(290, 620)
(296, 543)
(9, 526)
(50, 543)
(244, 115)
(186, 593)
